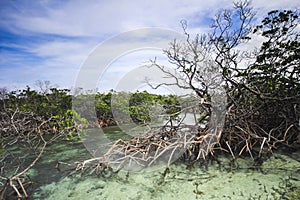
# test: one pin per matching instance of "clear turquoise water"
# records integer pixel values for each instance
(277, 176)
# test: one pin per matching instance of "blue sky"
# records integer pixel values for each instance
(52, 39)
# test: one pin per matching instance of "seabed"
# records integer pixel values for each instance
(277, 178)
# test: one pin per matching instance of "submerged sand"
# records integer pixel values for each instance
(277, 178)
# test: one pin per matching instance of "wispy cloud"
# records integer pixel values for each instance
(50, 39)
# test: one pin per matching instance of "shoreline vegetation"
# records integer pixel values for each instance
(21, 124)
(262, 108)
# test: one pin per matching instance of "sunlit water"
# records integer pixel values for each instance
(278, 178)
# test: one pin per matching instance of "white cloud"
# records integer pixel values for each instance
(78, 26)
(91, 18)
(67, 52)
(98, 18)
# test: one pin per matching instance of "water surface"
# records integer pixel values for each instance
(276, 179)
(278, 176)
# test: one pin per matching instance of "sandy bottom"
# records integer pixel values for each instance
(278, 176)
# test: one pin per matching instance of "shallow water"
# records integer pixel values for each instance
(180, 183)
(278, 176)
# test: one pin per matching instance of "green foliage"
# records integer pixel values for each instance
(53, 108)
(276, 70)
(268, 91)
(140, 106)
(72, 123)
(54, 103)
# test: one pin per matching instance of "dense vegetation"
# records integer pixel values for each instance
(27, 115)
(57, 106)
(262, 87)
(263, 110)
